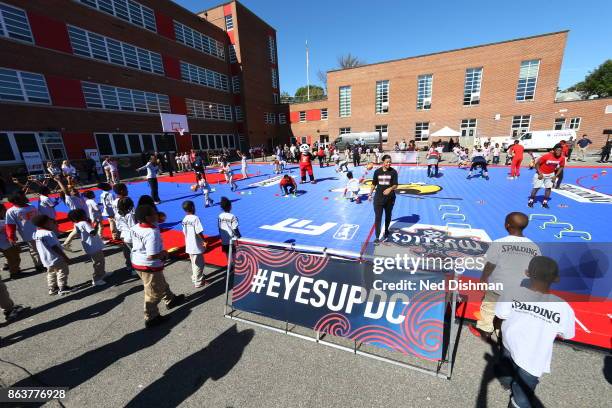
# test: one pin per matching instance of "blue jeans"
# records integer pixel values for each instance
(522, 384)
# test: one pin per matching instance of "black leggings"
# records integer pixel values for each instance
(432, 173)
(154, 189)
(381, 205)
(482, 165)
(289, 189)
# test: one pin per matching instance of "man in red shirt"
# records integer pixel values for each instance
(548, 167)
(516, 150)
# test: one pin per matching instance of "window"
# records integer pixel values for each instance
(49, 144)
(282, 118)
(127, 10)
(528, 76)
(271, 49)
(120, 144)
(421, 131)
(229, 23)
(424, 83)
(6, 149)
(345, 130)
(203, 76)
(91, 45)
(14, 23)
(208, 110)
(302, 116)
(345, 101)
(274, 79)
(324, 114)
(574, 123)
(194, 39)
(238, 113)
(468, 127)
(232, 54)
(559, 124)
(471, 88)
(382, 130)
(23, 86)
(235, 84)
(270, 118)
(276, 98)
(382, 96)
(132, 100)
(520, 125)
(304, 140)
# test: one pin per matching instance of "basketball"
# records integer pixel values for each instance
(370, 166)
(194, 187)
(221, 171)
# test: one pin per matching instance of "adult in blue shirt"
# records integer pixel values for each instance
(583, 145)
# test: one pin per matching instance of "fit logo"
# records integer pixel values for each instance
(295, 226)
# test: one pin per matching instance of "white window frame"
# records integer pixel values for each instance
(22, 87)
(302, 116)
(384, 134)
(39, 143)
(198, 109)
(421, 129)
(127, 142)
(282, 119)
(5, 9)
(211, 140)
(559, 121)
(472, 86)
(203, 76)
(145, 14)
(231, 51)
(518, 128)
(522, 92)
(271, 49)
(274, 78)
(382, 97)
(344, 101)
(324, 114)
(344, 130)
(124, 97)
(468, 127)
(229, 22)
(194, 39)
(236, 84)
(574, 123)
(238, 114)
(424, 92)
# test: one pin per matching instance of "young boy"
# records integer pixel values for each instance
(74, 201)
(125, 220)
(19, 219)
(195, 243)
(352, 188)
(228, 225)
(46, 205)
(106, 202)
(148, 257)
(52, 256)
(93, 211)
(92, 244)
(531, 320)
(287, 185)
(507, 259)
(10, 251)
(205, 187)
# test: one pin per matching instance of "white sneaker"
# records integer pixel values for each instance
(99, 282)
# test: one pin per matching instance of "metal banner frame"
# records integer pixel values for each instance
(446, 362)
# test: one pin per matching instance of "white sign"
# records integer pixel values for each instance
(273, 181)
(583, 195)
(33, 162)
(295, 226)
(95, 155)
(404, 157)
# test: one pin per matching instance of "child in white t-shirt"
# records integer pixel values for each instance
(93, 211)
(496, 152)
(18, 220)
(227, 224)
(351, 191)
(46, 205)
(51, 255)
(206, 189)
(92, 244)
(195, 244)
(106, 204)
(148, 257)
(124, 217)
(531, 320)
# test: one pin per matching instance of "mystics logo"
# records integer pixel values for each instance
(432, 241)
(583, 195)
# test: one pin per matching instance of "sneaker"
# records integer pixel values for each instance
(313, 182)
(530, 204)
(66, 290)
(14, 313)
(176, 301)
(99, 282)
(545, 204)
(200, 284)
(157, 202)
(68, 248)
(53, 291)
(156, 321)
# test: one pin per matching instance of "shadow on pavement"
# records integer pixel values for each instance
(185, 377)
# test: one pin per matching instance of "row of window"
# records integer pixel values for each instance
(124, 99)
(127, 10)
(92, 45)
(208, 110)
(14, 144)
(323, 112)
(125, 144)
(562, 123)
(528, 75)
(201, 42)
(269, 118)
(271, 49)
(20, 86)
(236, 84)
(203, 76)
(213, 142)
(14, 24)
(274, 78)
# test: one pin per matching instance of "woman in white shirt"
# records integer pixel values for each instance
(111, 170)
(152, 168)
(69, 172)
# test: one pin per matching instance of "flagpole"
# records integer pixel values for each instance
(307, 74)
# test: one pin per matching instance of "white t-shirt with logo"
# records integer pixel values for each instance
(106, 199)
(45, 240)
(228, 223)
(21, 217)
(75, 203)
(46, 206)
(192, 228)
(531, 322)
(124, 225)
(93, 211)
(511, 256)
(92, 243)
(146, 241)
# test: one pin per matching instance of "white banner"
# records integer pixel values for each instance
(404, 157)
(33, 162)
(95, 155)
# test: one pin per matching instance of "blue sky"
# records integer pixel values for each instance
(378, 31)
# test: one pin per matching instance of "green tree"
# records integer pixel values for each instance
(349, 61)
(316, 92)
(597, 82)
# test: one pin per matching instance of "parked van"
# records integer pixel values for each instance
(542, 139)
(371, 139)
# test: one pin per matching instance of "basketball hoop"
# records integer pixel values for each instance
(174, 123)
(180, 131)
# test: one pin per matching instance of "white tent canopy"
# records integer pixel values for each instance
(445, 132)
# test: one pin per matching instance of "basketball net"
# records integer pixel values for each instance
(179, 130)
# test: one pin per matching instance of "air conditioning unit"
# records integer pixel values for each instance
(385, 106)
(475, 96)
(427, 103)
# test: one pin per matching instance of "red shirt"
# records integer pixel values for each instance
(305, 158)
(549, 163)
(287, 182)
(517, 150)
(565, 149)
